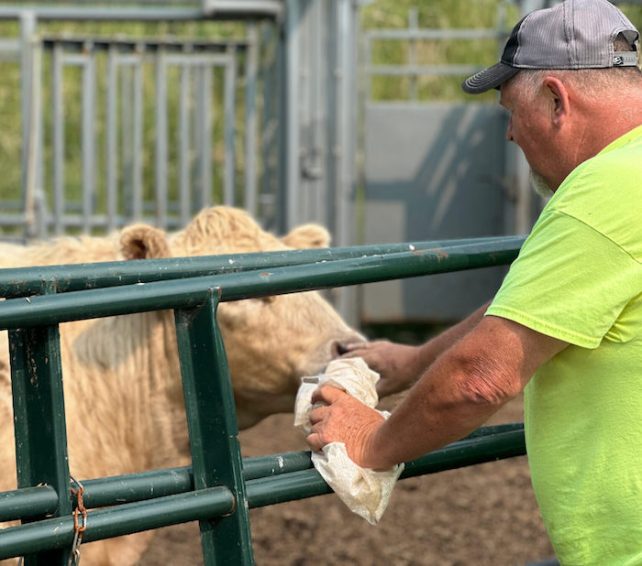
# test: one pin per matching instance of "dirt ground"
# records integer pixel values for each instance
(482, 515)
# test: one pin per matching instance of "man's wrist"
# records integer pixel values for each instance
(377, 450)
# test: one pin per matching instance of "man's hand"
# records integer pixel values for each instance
(342, 418)
(398, 365)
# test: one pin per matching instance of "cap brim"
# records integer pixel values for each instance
(489, 78)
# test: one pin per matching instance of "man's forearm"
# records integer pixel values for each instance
(439, 409)
(435, 347)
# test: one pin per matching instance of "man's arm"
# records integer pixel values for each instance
(469, 382)
(401, 365)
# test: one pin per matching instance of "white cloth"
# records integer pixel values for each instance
(366, 492)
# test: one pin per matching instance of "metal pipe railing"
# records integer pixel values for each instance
(485, 444)
(221, 486)
(28, 280)
(186, 293)
(222, 9)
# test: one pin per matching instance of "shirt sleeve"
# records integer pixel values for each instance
(569, 282)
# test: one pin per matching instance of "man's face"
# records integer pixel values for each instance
(529, 128)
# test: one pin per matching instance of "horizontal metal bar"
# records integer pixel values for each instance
(13, 46)
(116, 490)
(147, 44)
(434, 34)
(309, 483)
(216, 7)
(417, 70)
(116, 521)
(99, 220)
(231, 9)
(470, 452)
(275, 465)
(27, 502)
(198, 59)
(74, 59)
(187, 293)
(28, 280)
(486, 443)
(18, 219)
(191, 292)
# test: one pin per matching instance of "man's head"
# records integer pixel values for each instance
(565, 76)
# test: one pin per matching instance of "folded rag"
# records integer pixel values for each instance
(366, 492)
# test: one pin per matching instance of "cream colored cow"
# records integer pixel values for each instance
(123, 394)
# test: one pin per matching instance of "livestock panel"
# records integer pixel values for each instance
(215, 489)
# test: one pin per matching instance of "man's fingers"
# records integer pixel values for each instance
(314, 441)
(318, 414)
(327, 394)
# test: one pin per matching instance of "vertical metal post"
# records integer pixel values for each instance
(40, 197)
(270, 131)
(161, 141)
(345, 71)
(332, 92)
(413, 25)
(229, 117)
(281, 191)
(39, 416)
(213, 431)
(318, 86)
(291, 113)
(58, 138)
(112, 139)
(367, 62)
(251, 65)
(27, 33)
(304, 72)
(137, 197)
(126, 145)
(33, 126)
(184, 146)
(203, 122)
(88, 138)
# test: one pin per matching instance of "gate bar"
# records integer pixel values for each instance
(74, 277)
(185, 293)
(117, 521)
(484, 445)
(223, 9)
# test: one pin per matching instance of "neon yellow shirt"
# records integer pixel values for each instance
(578, 278)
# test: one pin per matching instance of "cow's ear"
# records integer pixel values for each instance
(307, 236)
(142, 241)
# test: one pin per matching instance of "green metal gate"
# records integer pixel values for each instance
(219, 487)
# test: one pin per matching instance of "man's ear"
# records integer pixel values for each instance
(142, 241)
(307, 236)
(560, 99)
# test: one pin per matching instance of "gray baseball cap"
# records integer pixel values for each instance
(576, 34)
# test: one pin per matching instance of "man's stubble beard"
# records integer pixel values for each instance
(540, 186)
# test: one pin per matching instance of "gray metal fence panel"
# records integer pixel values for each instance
(436, 173)
(136, 77)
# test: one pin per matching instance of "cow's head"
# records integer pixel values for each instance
(270, 342)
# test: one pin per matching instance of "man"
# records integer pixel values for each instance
(566, 325)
